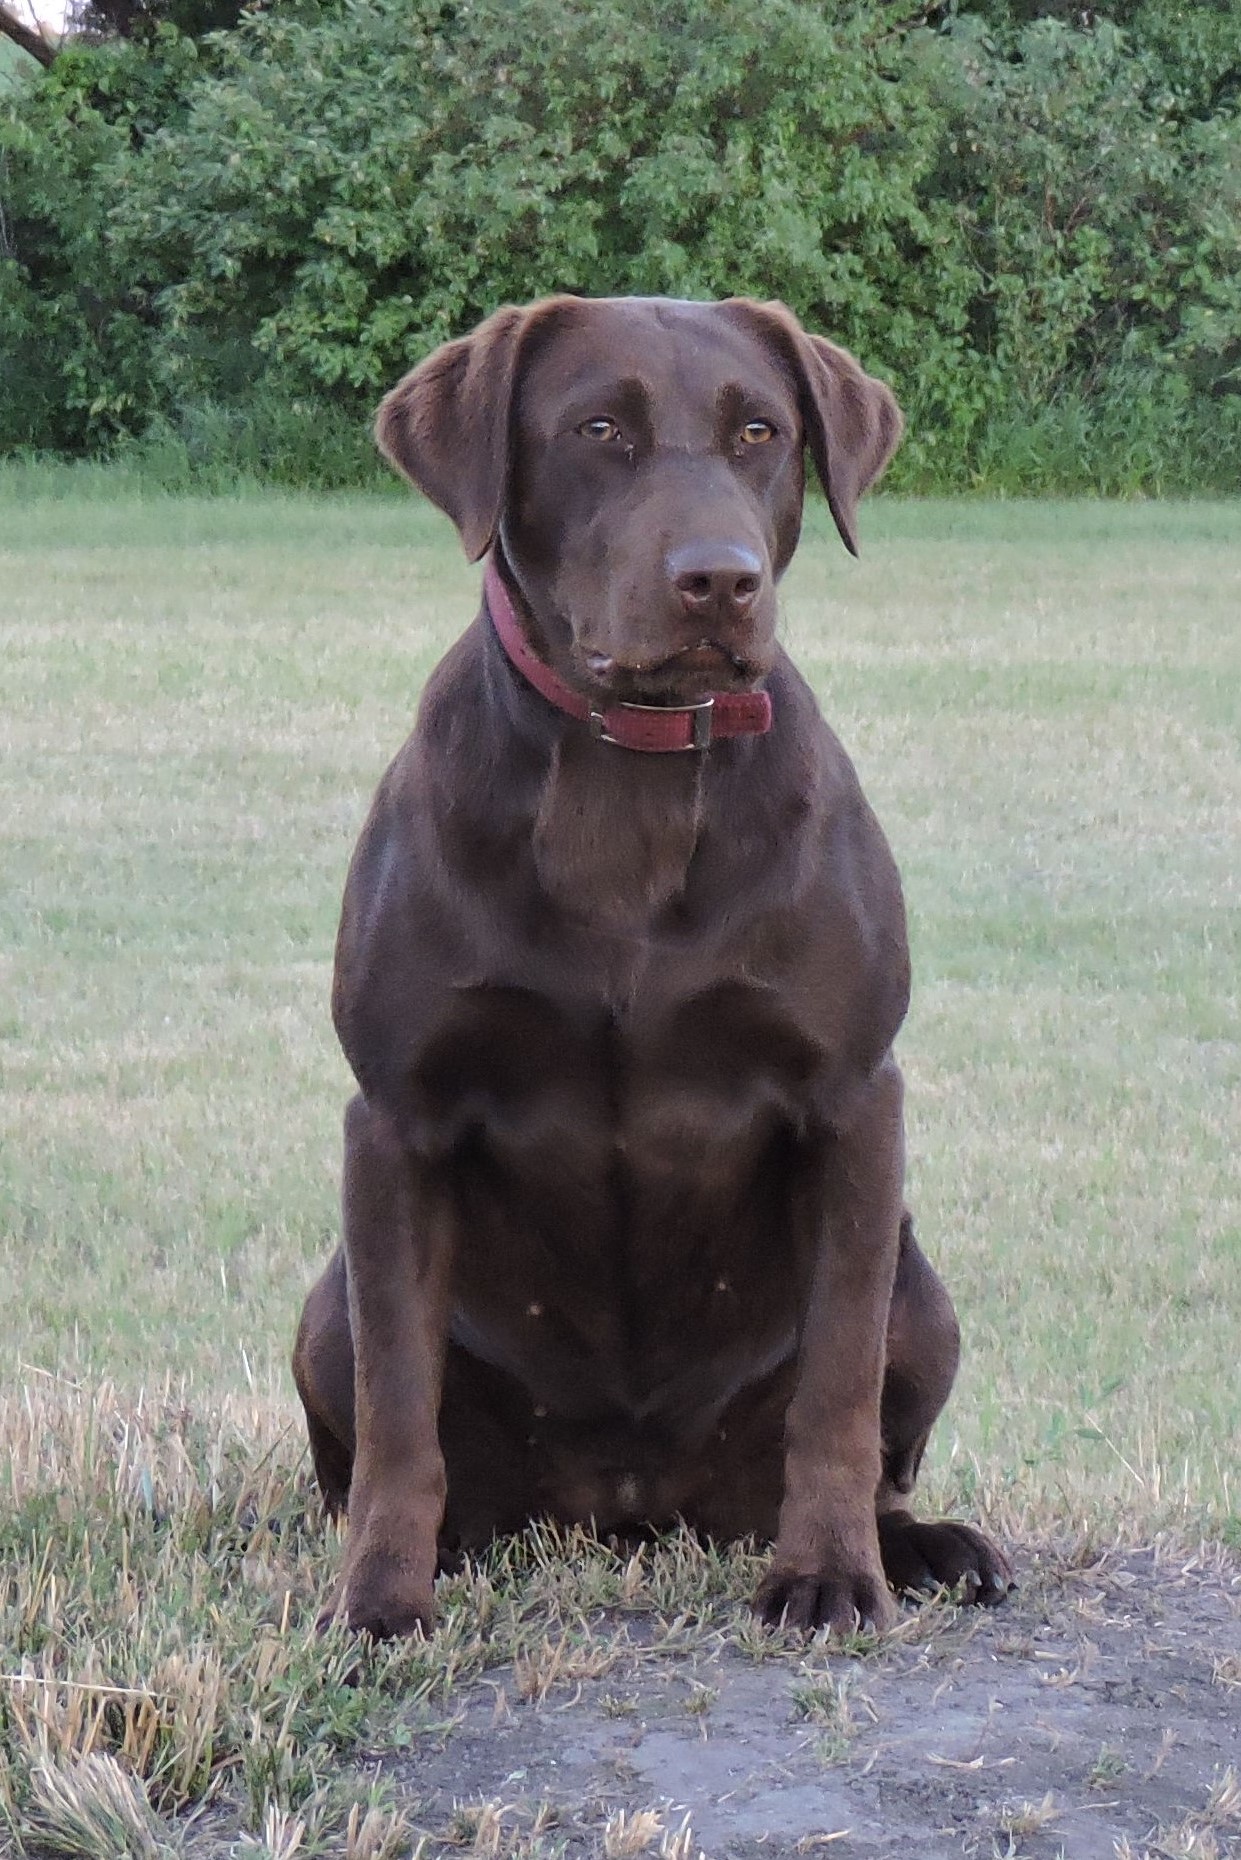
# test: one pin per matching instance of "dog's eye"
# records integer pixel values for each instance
(757, 432)
(602, 430)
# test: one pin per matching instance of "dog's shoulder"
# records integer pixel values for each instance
(809, 773)
(845, 898)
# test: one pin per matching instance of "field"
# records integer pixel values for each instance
(1044, 702)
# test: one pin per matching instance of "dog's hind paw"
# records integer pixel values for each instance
(920, 1558)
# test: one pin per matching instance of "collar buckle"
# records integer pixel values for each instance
(700, 726)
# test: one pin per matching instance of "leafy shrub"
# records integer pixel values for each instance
(1029, 226)
(77, 303)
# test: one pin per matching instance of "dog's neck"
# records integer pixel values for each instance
(614, 829)
(615, 832)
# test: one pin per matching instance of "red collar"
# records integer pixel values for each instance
(653, 727)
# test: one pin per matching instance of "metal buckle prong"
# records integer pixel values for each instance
(702, 723)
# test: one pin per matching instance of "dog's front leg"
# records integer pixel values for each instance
(399, 1253)
(826, 1570)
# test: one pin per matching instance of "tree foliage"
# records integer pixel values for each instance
(1029, 224)
(138, 19)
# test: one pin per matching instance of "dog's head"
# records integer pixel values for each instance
(640, 463)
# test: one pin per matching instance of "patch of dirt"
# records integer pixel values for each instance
(1099, 1707)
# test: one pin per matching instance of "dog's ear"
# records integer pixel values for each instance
(852, 422)
(447, 424)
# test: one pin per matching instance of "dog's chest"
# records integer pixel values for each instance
(622, 1187)
(679, 1089)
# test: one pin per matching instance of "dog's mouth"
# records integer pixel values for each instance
(684, 676)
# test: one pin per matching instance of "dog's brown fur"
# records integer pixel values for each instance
(623, 1225)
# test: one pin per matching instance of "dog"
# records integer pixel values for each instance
(621, 962)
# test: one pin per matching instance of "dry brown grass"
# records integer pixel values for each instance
(159, 1575)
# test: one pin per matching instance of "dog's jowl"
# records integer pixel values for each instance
(620, 966)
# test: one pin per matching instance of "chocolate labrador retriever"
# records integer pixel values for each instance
(621, 963)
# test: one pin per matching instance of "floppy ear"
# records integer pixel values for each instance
(446, 425)
(852, 422)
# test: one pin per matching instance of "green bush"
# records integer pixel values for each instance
(78, 304)
(1098, 196)
(225, 252)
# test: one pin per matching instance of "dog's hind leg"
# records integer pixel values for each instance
(924, 1347)
(923, 1350)
(323, 1372)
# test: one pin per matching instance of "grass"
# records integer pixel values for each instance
(199, 696)
(124, 1721)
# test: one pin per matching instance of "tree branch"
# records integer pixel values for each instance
(26, 36)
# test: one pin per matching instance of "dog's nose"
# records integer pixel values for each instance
(718, 582)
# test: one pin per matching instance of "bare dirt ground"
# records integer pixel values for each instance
(1097, 1714)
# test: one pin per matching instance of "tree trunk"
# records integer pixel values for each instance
(27, 37)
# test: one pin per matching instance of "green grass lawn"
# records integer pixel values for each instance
(1044, 701)
(198, 698)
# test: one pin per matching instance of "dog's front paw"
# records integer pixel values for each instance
(839, 1599)
(380, 1595)
(924, 1557)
